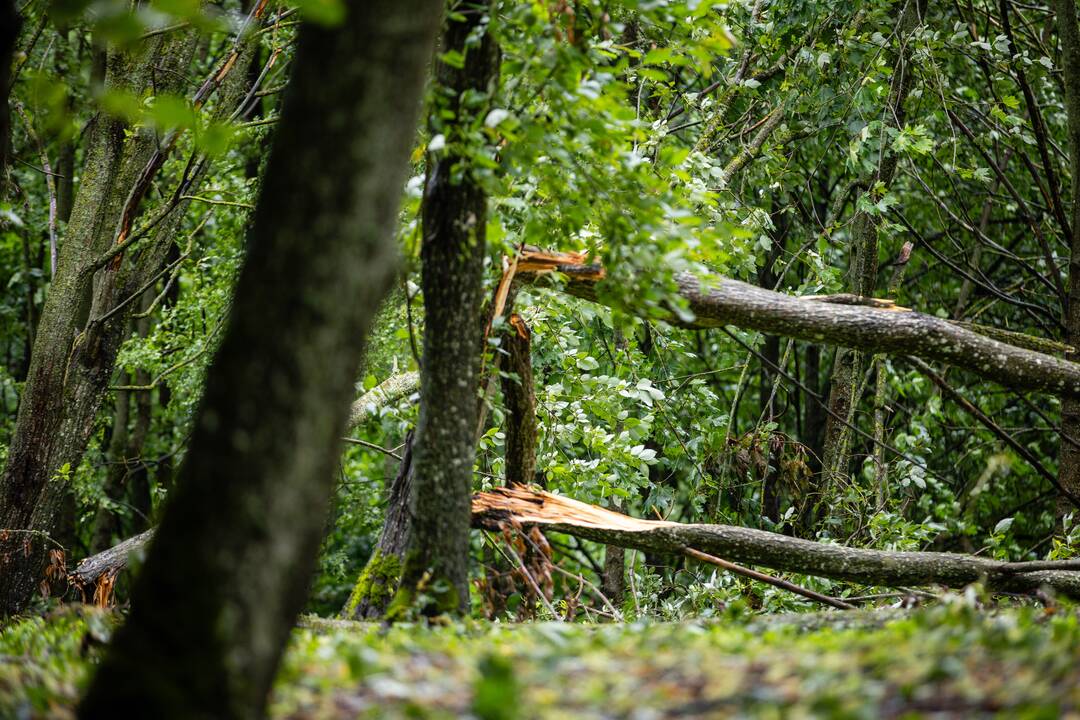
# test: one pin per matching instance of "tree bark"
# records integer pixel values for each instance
(230, 568)
(519, 400)
(759, 547)
(454, 215)
(1069, 454)
(72, 357)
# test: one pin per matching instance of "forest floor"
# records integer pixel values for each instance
(950, 661)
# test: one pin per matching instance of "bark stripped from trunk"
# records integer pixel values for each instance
(231, 566)
(758, 547)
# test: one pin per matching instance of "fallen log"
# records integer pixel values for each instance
(871, 325)
(526, 506)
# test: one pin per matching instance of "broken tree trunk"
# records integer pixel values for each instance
(874, 326)
(758, 547)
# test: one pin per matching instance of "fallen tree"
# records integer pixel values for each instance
(868, 324)
(525, 506)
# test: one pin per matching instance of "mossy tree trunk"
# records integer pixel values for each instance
(231, 564)
(452, 255)
(75, 343)
(381, 574)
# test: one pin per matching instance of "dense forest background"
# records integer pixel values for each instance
(587, 182)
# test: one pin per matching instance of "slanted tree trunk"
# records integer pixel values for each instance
(381, 574)
(230, 567)
(850, 365)
(452, 254)
(1069, 454)
(73, 353)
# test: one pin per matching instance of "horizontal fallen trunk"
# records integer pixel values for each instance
(757, 547)
(868, 326)
(106, 564)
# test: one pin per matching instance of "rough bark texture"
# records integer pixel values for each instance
(73, 352)
(759, 547)
(519, 401)
(719, 301)
(231, 565)
(452, 254)
(379, 580)
(1069, 32)
(850, 366)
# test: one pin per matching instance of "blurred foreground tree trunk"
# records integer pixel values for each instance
(230, 566)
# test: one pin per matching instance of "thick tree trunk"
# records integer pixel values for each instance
(758, 547)
(452, 255)
(73, 353)
(231, 565)
(1069, 454)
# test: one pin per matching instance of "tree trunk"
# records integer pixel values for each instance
(1069, 454)
(452, 255)
(847, 321)
(379, 580)
(850, 366)
(519, 400)
(72, 358)
(230, 568)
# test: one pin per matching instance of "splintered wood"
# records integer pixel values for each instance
(528, 506)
